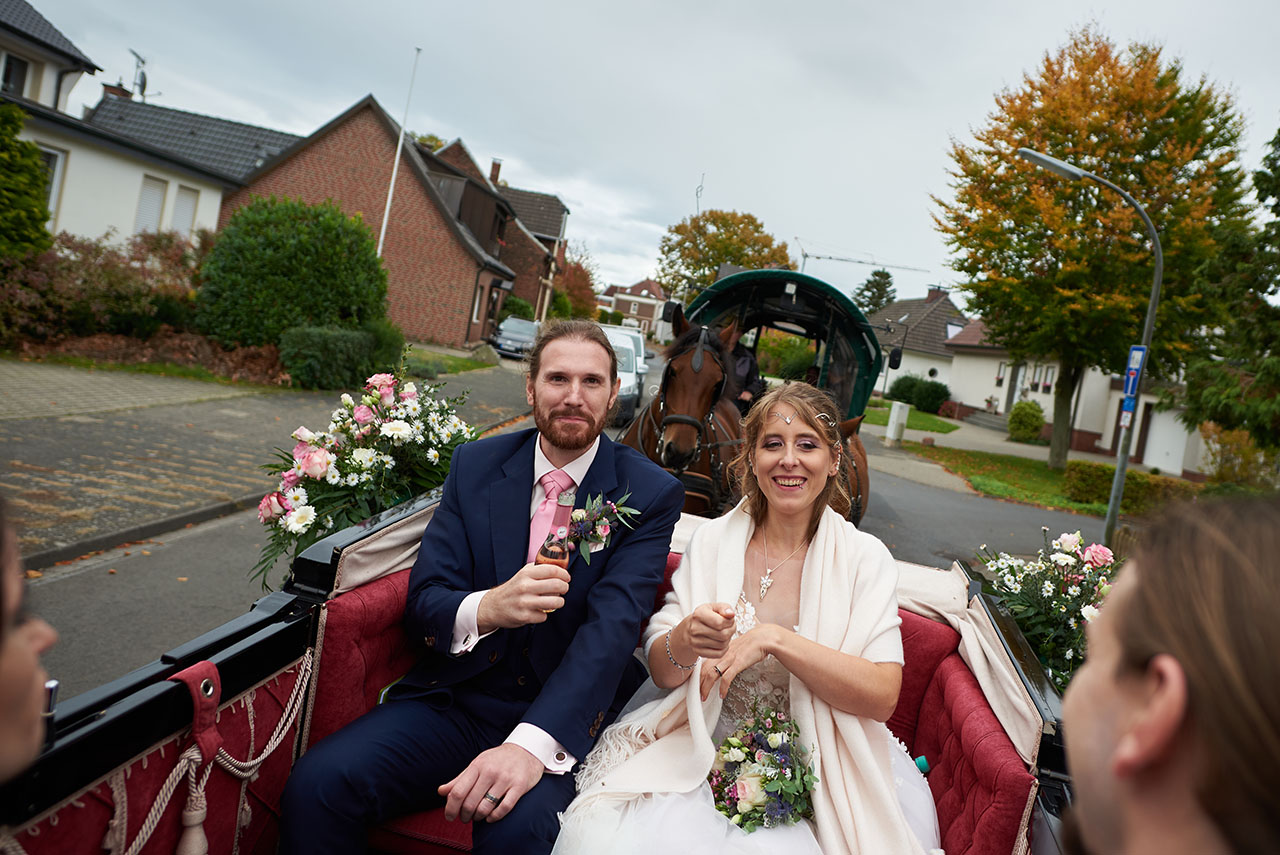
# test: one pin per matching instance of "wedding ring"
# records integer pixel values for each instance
(491, 797)
(716, 668)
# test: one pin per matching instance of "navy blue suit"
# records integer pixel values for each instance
(569, 676)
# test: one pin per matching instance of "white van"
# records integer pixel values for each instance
(637, 345)
(629, 386)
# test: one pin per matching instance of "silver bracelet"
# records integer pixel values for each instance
(673, 659)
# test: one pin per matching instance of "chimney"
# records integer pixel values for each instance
(117, 89)
(494, 170)
(935, 293)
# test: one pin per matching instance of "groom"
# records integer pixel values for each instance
(527, 664)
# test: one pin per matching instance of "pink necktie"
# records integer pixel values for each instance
(540, 526)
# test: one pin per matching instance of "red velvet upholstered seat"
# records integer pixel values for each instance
(980, 785)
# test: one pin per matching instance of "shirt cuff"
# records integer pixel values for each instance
(466, 624)
(542, 745)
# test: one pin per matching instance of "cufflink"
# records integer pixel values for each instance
(561, 757)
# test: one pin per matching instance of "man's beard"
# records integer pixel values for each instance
(567, 437)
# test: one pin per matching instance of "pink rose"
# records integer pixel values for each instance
(315, 463)
(377, 381)
(302, 434)
(603, 529)
(409, 392)
(362, 414)
(388, 395)
(1098, 555)
(289, 479)
(750, 792)
(301, 450)
(272, 506)
(1069, 542)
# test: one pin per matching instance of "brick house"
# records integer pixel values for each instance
(445, 281)
(921, 328)
(641, 302)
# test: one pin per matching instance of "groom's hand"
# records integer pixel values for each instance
(527, 597)
(506, 773)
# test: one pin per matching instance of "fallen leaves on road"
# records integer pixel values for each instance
(34, 574)
(146, 552)
(112, 571)
(182, 578)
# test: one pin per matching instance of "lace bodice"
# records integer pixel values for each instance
(768, 680)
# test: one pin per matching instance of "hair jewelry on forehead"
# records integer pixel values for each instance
(822, 417)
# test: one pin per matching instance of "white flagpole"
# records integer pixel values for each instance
(395, 167)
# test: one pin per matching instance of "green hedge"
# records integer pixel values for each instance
(328, 357)
(929, 396)
(1026, 421)
(904, 388)
(1086, 481)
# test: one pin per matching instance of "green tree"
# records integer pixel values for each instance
(431, 141)
(1237, 382)
(282, 263)
(560, 306)
(692, 251)
(876, 293)
(24, 182)
(515, 307)
(1062, 270)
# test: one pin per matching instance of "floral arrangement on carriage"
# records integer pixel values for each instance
(1053, 596)
(379, 449)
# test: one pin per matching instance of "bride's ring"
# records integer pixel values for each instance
(716, 668)
(491, 797)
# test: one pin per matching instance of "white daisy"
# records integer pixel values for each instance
(1074, 590)
(1046, 589)
(300, 519)
(397, 431)
(433, 456)
(297, 496)
(363, 457)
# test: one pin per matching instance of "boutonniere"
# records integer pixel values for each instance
(595, 521)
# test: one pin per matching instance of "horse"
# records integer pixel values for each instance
(692, 427)
(855, 469)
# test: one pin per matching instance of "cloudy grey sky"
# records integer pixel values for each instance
(830, 121)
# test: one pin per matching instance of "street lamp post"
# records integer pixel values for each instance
(1074, 173)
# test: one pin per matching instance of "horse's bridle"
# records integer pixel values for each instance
(705, 423)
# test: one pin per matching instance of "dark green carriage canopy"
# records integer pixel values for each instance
(849, 356)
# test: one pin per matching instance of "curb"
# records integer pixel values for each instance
(48, 557)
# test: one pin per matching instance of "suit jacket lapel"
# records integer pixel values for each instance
(509, 511)
(601, 480)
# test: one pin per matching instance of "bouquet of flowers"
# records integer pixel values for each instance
(1053, 596)
(379, 450)
(594, 522)
(761, 776)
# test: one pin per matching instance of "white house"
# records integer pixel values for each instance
(38, 62)
(983, 377)
(921, 328)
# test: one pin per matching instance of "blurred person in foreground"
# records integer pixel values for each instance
(1173, 722)
(23, 638)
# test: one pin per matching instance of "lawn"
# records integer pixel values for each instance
(916, 420)
(430, 364)
(1005, 476)
(163, 369)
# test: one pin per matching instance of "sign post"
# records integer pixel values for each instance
(1128, 405)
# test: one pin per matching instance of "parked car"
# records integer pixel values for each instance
(629, 391)
(643, 356)
(514, 337)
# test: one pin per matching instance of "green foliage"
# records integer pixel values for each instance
(691, 252)
(24, 185)
(929, 396)
(1070, 279)
(1234, 458)
(83, 286)
(560, 306)
(782, 355)
(1086, 481)
(1235, 381)
(327, 357)
(1026, 421)
(432, 142)
(605, 316)
(916, 420)
(515, 307)
(904, 388)
(1007, 476)
(281, 263)
(876, 293)
(388, 345)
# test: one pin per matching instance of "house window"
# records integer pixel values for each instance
(184, 210)
(1000, 375)
(53, 164)
(150, 205)
(475, 309)
(1035, 378)
(635, 308)
(644, 326)
(1049, 372)
(15, 76)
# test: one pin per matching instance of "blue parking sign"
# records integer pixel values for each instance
(1133, 370)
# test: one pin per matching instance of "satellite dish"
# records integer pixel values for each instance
(142, 83)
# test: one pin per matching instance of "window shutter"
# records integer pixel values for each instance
(184, 210)
(150, 205)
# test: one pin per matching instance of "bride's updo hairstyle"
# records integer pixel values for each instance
(817, 410)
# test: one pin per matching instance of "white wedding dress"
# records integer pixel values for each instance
(679, 823)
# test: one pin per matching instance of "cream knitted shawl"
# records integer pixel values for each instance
(847, 599)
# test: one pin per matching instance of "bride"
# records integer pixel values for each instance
(784, 601)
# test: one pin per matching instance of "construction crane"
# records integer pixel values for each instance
(805, 255)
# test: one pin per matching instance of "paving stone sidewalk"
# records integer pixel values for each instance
(94, 458)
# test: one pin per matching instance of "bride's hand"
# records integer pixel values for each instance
(744, 651)
(708, 629)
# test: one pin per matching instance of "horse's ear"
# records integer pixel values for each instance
(849, 428)
(679, 326)
(726, 334)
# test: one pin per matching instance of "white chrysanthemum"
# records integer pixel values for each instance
(412, 407)
(1046, 589)
(1071, 622)
(297, 496)
(300, 519)
(389, 463)
(1074, 591)
(433, 456)
(333, 476)
(1089, 613)
(1016, 588)
(420, 438)
(1069, 655)
(328, 523)
(434, 420)
(396, 430)
(352, 479)
(366, 477)
(363, 457)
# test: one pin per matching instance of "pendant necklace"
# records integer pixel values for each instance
(766, 581)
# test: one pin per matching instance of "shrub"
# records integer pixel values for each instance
(1089, 482)
(327, 357)
(560, 306)
(949, 409)
(388, 345)
(783, 355)
(1233, 458)
(929, 395)
(515, 307)
(1026, 421)
(281, 263)
(23, 210)
(904, 388)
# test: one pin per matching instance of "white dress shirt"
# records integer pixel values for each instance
(466, 630)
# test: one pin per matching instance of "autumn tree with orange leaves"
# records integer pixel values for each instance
(1061, 270)
(691, 252)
